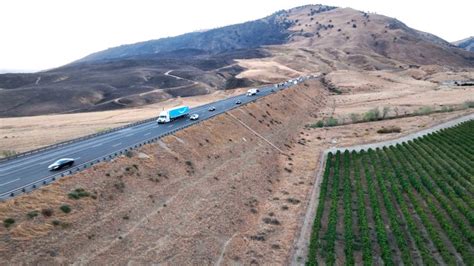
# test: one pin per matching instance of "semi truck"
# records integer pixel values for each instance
(252, 92)
(172, 114)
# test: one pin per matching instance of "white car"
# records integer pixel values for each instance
(194, 117)
(61, 163)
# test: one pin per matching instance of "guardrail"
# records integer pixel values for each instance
(49, 147)
(49, 179)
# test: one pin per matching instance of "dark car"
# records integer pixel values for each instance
(212, 108)
(61, 163)
(238, 102)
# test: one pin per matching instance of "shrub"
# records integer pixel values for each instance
(469, 104)
(47, 212)
(372, 115)
(385, 111)
(320, 123)
(425, 110)
(396, 110)
(65, 208)
(78, 193)
(120, 186)
(100, 130)
(56, 222)
(331, 122)
(129, 154)
(8, 222)
(272, 221)
(354, 117)
(390, 129)
(8, 153)
(32, 214)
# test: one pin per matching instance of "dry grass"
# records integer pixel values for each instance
(27, 133)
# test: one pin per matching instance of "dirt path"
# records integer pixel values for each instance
(406, 138)
(176, 77)
(300, 249)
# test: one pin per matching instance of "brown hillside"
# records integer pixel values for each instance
(352, 34)
(215, 191)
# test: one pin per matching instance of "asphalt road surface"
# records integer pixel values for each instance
(25, 171)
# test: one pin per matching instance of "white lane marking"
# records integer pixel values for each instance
(97, 145)
(129, 135)
(115, 145)
(11, 181)
(78, 158)
(170, 125)
(147, 134)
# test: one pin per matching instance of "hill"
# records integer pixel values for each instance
(467, 44)
(307, 39)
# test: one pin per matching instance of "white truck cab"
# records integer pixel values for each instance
(164, 117)
(252, 92)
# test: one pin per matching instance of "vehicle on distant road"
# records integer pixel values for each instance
(194, 117)
(172, 114)
(61, 163)
(212, 108)
(238, 102)
(252, 92)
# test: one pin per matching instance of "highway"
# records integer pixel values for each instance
(24, 172)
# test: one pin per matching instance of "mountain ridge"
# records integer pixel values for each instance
(466, 44)
(135, 74)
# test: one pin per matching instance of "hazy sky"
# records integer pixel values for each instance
(42, 34)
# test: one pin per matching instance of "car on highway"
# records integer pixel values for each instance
(194, 117)
(212, 108)
(61, 163)
(238, 102)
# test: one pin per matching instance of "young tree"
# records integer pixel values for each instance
(385, 111)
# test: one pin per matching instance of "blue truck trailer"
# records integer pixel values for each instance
(172, 114)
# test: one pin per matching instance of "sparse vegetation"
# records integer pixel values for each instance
(32, 214)
(372, 115)
(47, 212)
(8, 153)
(331, 122)
(375, 114)
(8, 222)
(385, 111)
(425, 110)
(100, 130)
(78, 193)
(120, 186)
(354, 117)
(469, 104)
(65, 208)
